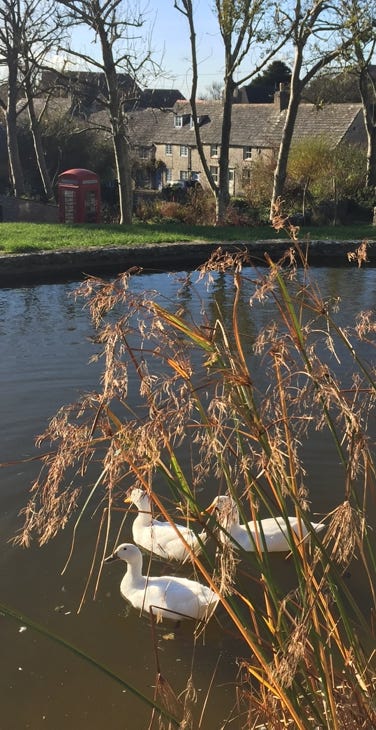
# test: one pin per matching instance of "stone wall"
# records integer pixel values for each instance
(27, 211)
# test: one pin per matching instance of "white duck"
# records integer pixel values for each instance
(157, 536)
(271, 530)
(168, 596)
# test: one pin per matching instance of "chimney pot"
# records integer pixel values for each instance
(281, 98)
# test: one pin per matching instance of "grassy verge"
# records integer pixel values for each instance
(25, 237)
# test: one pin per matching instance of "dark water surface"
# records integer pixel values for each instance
(45, 350)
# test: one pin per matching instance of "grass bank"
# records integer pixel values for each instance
(28, 237)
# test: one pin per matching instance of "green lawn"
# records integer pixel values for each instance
(25, 237)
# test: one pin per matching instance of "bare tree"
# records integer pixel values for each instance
(313, 27)
(28, 33)
(213, 91)
(119, 35)
(359, 22)
(40, 34)
(11, 23)
(243, 24)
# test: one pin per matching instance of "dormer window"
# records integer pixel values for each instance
(178, 121)
(191, 122)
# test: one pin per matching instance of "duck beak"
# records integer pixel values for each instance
(209, 510)
(127, 500)
(110, 558)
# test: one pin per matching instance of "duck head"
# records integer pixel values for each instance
(139, 498)
(126, 551)
(225, 510)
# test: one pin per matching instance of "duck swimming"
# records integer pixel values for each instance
(157, 536)
(271, 533)
(169, 597)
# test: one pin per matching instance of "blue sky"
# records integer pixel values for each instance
(171, 35)
(170, 42)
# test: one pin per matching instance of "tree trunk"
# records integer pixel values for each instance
(15, 167)
(118, 127)
(369, 121)
(367, 97)
(223, 195)
(280, 171)
(38, 145)
(123, 173)
(371, 158)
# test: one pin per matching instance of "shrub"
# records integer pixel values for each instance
(198, 208)
(320, 182)
(146, 210)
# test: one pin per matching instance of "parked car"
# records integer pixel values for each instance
(177, 189)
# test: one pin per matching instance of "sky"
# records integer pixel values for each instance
(171, 45)
(171, 36)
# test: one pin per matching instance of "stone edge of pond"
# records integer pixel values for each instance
(48, 266)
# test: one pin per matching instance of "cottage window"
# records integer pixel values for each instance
(184, 175)
(213, 150)
(168, 174)
(214, 172)
(191, 122)
(247, 153)
(183, 150)
(168, 149)
(178, 121)
(143, 153)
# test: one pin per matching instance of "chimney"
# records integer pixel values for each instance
(281, 98)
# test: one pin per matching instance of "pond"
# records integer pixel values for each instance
(45, 352)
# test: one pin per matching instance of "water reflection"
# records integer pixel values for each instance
(45, 341)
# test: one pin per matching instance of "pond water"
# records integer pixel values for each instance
(45, 352)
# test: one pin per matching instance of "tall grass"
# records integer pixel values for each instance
(309, 658)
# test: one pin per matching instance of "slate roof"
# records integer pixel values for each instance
(158, 98)
(258, 125)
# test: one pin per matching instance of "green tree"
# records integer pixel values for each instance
(261, 88)
(359, 21)
(314, 31)
(333, 88)
(325, 173)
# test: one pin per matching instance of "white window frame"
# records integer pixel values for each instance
(183, 150)
(214, 169)
(191, 122)
(184, 175)
(214, 150)
(168, 150)
(178, 121)
(247, 152)
(168, 174)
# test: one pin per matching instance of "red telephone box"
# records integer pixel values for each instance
(79, 196)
